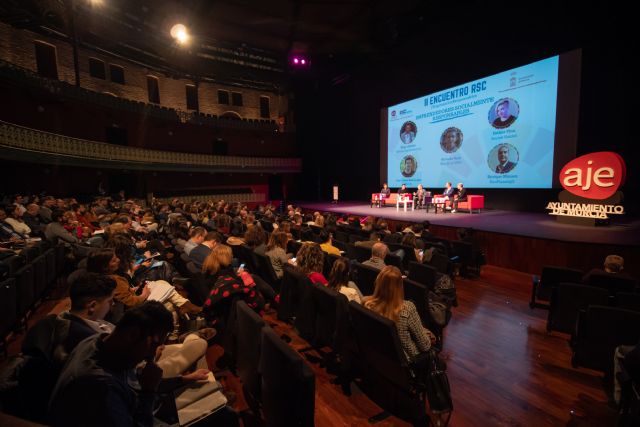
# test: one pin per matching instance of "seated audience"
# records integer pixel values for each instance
(388, 301)
(256, 239)
(327, 243)
(339, 281)
(613, 266)
(103, 367)
(14, 219)
(277, 252)
(229, 285)
(200, 252)
(310, 261)
(379, 252)
(196, 237)
(409, 239)
(33, 220)
(56, 230)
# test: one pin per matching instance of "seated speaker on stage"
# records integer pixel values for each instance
(402, 191)
(459, 196)
(421, 196)
(379, 199)
(385, 191)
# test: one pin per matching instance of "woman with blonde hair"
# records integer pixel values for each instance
(229, 284)
(388, 301)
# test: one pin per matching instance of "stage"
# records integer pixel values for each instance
(524, 241)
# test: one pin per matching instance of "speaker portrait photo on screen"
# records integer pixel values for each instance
(451, 140)
(408, 132)
(408, 166)
(503, 158)
(503, 113)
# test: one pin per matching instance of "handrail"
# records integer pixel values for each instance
(23, 138)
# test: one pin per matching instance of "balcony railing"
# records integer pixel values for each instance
(235, 197)
(26, 139)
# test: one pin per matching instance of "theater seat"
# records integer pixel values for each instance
(248, 341)
(599, 331)
(288, 385)
(567, 300)
(386, 377)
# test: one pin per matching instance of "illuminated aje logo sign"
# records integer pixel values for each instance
(595, 176)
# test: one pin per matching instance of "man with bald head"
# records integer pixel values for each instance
(379, 252)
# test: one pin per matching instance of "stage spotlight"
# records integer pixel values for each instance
(299, 61)
(179, 33)
(96, 2)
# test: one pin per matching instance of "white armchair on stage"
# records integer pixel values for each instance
(406, 199)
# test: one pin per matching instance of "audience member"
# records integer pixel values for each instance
(277, 252)
(200, 252)
(197, 236)
(327, 243)
(339, 281)
(310, 261)
(379, 252)
(388, 301)
(613, 266)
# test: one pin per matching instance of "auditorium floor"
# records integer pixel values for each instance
(504, 368)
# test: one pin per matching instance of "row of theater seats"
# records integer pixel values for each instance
(25, 279)
(600, 314)
(275, 378)
(364, 347)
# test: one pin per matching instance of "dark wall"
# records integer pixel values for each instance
(338, 108)
(28, 178)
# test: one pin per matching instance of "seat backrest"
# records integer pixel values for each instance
(50, 257)
(628, 300)
(248, 258)
(8, 306)
(265, 269)
(25, 288)
(13, 264)
(326, 302)
(599, 331)
(288, 385)
(419, 295)
(392, 238)
(380, 346)
(341, 236)
(613, 284)
(441, 263)
(423, 273)
(567, 299)
(40, 275)
(329, 259)
(365, 278)
(358, 253)
(551, 276)
(248, 342)
(395, 260)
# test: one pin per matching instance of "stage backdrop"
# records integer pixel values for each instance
(510, 130)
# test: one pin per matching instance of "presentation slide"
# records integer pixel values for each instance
(494, 132)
